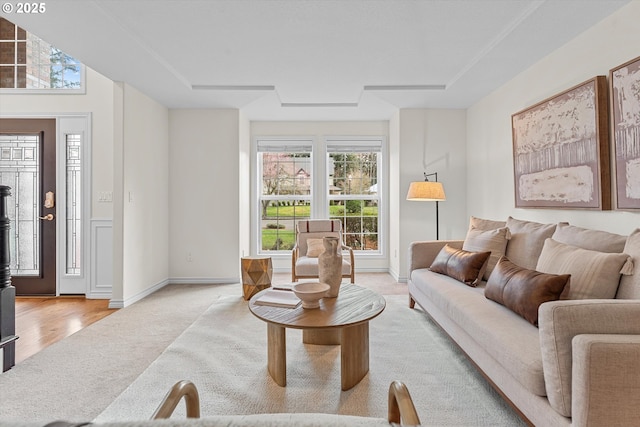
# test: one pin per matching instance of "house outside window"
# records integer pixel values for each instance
(343, 185)
(285, 191)
(28, 63)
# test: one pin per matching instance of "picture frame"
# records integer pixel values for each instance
(561, 150)
(624, 83)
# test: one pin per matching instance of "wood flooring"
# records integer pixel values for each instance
(42, 321)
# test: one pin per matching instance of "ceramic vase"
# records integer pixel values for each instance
(330, 265)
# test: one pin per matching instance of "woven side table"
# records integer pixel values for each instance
(256, 275)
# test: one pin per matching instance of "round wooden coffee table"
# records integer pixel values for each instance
(340, 321)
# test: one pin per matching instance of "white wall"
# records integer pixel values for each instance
(145, 250)
(395, 191)
(490, 187)
(427, 140)
(98, 101)
(205, 193)
(244, 214)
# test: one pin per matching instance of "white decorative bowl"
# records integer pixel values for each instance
(310, 293)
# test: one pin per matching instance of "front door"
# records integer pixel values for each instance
(28, 166)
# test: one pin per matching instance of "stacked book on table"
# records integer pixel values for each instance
(278, 298)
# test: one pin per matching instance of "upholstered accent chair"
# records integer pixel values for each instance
(304, 257)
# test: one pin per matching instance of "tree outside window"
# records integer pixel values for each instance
(354, 199)
(285, 197)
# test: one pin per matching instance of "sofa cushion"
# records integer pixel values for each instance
(523, 290)
(594, 240)
(314, 247)
(485, 224)
(506, 337)
(527, 239)
(593, 274)
(465, 266)
(630, 285)
(494, 241)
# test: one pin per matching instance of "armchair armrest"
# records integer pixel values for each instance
(181, 389)
(401, 409)
(605, 380)
(560, 321)
(294, 259)
(422, 254)
(351, 261)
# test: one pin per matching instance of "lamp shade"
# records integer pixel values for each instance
(427, 191)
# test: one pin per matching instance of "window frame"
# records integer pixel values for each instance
(350, 145)
(319, 192)
(38, 91)
(269, 144)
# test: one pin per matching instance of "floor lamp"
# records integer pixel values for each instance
(428, 191)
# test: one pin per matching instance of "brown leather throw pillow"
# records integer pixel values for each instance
(522, 290)
(464, 266)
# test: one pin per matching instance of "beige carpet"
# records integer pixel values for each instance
(77, 378)
(224, 354)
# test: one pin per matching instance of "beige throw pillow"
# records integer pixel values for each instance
(314, 248)
(594, 240)
(494, 241)
(630, 285)
(485, 224)
(527, 240)
(593, 274)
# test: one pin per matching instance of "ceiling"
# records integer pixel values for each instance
(313, 59)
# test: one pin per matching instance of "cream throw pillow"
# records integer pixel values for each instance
(594, 275)
(494, 241)
(527, 240)
(594, 240)
(314, 248)
(630, 285)
(485, 224)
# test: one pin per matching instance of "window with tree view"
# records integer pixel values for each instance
(353, 192)
(285, 194)
(344, 186)
(28, 62)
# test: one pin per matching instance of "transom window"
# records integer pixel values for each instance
(28, 62)
(343, 185)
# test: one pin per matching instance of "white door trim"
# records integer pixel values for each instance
(67, 123)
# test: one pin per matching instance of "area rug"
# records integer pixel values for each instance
(76, 378)
(224, 353)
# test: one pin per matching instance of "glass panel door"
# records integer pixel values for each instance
(28, 167)
(20, 170)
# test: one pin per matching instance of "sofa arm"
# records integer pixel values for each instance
(422, 254)
(560, 321)
(605, 380)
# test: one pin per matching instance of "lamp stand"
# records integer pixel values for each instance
(426, 178)
(437, 223)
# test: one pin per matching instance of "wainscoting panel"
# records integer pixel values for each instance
(101, 259)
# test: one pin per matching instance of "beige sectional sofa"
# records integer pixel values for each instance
(580, 365)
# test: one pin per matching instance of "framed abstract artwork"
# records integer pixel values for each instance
(561, 150)
(625, 121)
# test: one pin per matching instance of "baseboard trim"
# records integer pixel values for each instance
(203, 280)
(119, 303)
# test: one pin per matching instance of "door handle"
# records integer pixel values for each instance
(48, 217)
